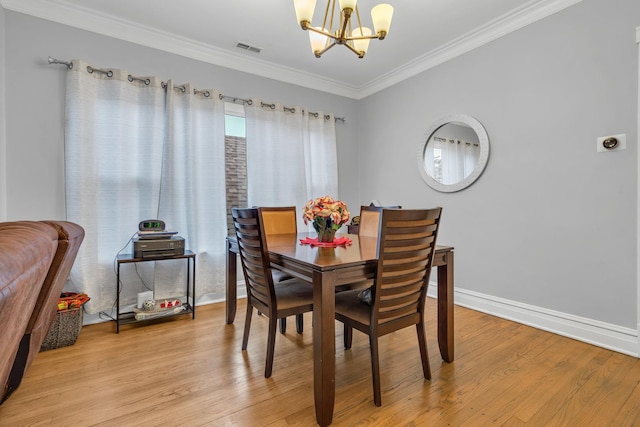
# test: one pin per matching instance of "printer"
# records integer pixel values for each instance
(158, 247)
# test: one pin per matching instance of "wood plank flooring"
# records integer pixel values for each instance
(183, 372)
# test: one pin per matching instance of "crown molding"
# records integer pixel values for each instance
(85, 19)
(132, 32)
(527, 14)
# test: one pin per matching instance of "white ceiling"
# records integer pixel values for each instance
(423, 33)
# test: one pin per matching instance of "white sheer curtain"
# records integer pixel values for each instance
(136, 151)
(321, 155)
(459, 158)
(291, 156)
(193, 192)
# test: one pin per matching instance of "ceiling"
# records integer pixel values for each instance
(423, 33)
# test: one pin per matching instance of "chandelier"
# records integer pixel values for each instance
(355, 37)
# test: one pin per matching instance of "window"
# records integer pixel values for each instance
(235, 160)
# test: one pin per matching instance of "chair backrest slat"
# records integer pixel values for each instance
(254, 255)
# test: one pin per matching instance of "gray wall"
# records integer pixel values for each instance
(35, 99)
(550, 223)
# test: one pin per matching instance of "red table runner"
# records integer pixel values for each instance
(338, 241)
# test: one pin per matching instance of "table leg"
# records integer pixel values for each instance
(192, 261)
(445, 308)
(231, 297)
(324, 363)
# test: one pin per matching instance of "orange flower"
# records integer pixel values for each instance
(326, 210)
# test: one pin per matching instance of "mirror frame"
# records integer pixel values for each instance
(483, 159)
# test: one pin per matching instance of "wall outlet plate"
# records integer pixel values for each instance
(622, 143)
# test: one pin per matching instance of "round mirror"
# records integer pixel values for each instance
(455, 153)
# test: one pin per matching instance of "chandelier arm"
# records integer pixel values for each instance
(358, 16)
(359, 53)
(319, 53)
(326, 15)
(305, 25)
(372, 36)
(323, 32)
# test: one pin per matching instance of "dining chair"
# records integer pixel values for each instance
(290, 297)
(406, 244)
(369, 221)
(367, 227)
(281, 220)
(278, 220)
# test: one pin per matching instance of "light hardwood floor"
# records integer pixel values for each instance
(184, 372)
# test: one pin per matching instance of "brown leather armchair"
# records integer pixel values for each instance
(35, 261)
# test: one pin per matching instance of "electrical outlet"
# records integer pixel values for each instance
(611, 143)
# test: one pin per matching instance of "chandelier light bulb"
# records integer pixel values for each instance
(318, 41)
(381, 16)
(304, 11)
(361, 45)
(348, 4)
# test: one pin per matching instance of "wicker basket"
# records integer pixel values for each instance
(66, 326)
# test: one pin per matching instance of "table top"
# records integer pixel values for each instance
(288, 240)
(360, 250)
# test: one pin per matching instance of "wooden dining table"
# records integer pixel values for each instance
(325, 268)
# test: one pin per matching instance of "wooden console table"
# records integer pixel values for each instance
(189, 304)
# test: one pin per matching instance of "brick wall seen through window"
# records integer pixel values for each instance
(235, 167)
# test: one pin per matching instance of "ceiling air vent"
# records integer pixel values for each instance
(248, 47)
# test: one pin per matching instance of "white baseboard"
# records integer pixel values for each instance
(601, 334)
(612, 337)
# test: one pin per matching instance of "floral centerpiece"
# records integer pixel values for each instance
(327, 216)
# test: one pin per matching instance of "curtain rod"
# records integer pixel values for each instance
(243, 101)
(232, 99)
(57, 61)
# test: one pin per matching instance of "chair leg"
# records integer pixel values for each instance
(299, 323)
(271, 344)
(348, 336)
(375, 369)
(424, 354)
(247, 326)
